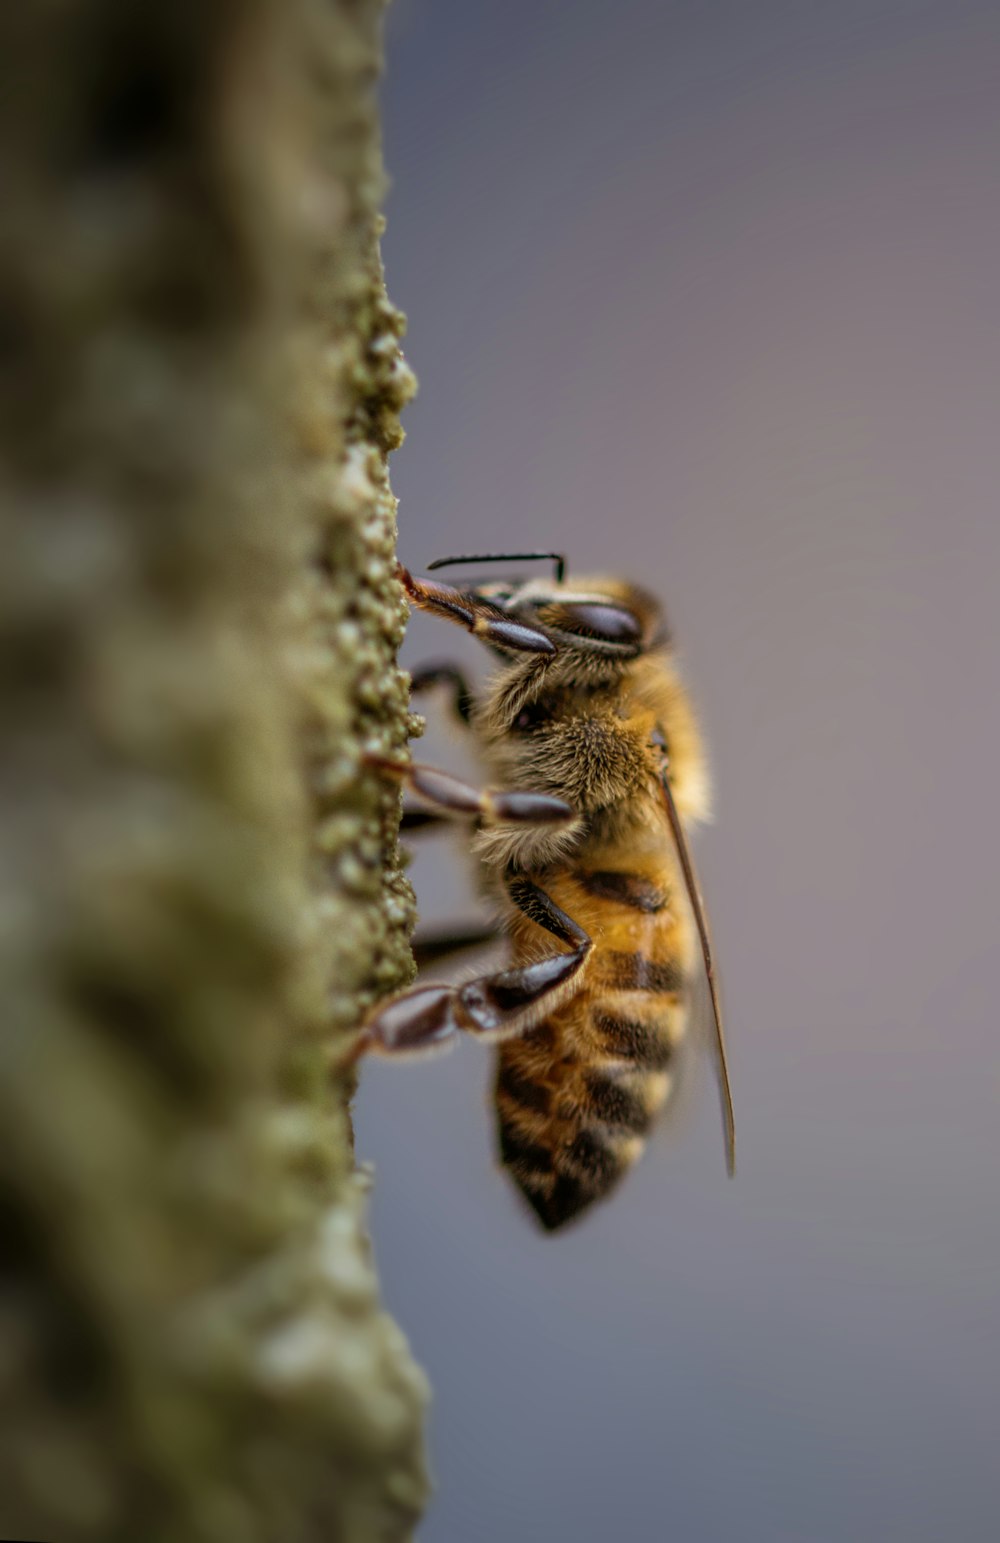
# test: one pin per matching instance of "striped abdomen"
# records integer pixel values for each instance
(577, 1094)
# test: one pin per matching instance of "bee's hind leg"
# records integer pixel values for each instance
(491, 1006)
(420, 819)
(431, 947)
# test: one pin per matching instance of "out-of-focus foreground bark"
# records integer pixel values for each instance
(199, 885)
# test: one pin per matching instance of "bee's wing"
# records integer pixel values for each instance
(701, 922)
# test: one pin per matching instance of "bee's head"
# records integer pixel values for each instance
(600, 617)
(591, 620)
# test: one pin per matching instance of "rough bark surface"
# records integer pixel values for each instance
(199, 885)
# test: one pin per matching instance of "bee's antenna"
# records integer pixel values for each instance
(505, 557)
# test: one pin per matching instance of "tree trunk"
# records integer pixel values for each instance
(200, 891)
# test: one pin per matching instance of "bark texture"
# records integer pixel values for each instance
(200, 890)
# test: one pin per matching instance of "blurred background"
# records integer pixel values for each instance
(706, 295)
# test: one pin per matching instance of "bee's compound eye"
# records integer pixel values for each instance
(608, 623)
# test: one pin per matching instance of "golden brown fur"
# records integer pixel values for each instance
(577, 1091)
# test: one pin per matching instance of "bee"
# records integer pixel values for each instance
(596, 768)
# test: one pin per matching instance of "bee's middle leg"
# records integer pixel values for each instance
(491, 1006)
(448, 797)
(426, 676)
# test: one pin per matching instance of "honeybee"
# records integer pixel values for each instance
(596, 767)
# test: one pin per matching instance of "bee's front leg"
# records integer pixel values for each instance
(477, 616)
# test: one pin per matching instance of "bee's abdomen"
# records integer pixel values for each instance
(576, 1095)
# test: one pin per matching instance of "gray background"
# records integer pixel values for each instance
(707, 294)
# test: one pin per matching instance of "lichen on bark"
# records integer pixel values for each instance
(200, 890)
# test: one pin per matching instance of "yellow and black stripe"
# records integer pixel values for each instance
(576, 1095)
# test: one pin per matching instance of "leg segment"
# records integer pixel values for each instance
(420, 819)
(448, 797)
(492, 1006)
(424, 679)
(429, 947)
(429, 675)
(476, 616)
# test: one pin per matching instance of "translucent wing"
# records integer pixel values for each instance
(698, 908)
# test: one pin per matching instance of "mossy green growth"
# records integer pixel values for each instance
(199, 882)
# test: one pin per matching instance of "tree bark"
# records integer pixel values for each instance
(200, 891)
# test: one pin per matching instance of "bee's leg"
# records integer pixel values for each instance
(491, 1006)
(430, 947)
(428, 675)
(475, 615)
(447, 797)
(420, 819)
